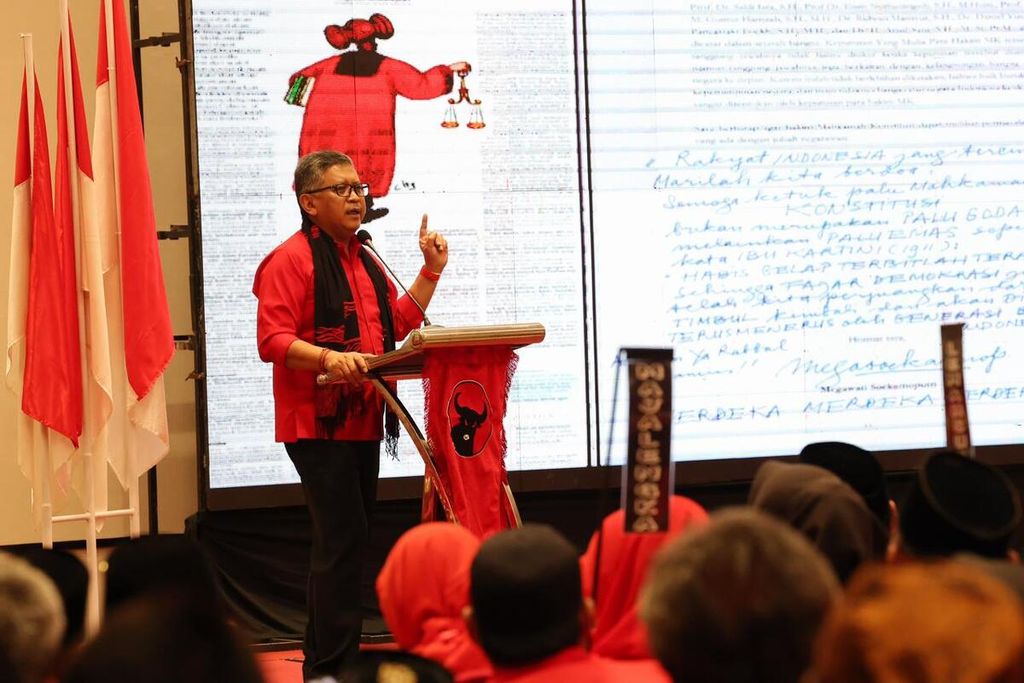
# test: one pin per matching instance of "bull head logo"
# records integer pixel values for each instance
(467, 415)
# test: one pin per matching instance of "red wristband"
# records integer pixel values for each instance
(429, 274)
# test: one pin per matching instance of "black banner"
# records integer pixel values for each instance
(958, 430)
(647, 476)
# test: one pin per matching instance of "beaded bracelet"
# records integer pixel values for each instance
(429, 274)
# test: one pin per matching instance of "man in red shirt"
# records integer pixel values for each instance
(528, 613)
(324, 306)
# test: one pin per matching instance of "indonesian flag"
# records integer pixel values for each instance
(42, 365)
(139, 326)
(466, 393)
(74, 209)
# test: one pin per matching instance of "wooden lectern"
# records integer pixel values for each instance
(406, 362)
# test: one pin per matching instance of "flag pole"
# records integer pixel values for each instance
(93, 614)
(30, 85)
(42, 473)
(133, 481)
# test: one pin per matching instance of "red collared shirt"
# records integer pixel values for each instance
(284, 288)
(571, 664)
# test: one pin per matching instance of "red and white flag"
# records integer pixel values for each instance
(74, 211)
(43, 369)
(139, 326)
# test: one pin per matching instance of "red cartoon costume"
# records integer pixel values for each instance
(351, 107)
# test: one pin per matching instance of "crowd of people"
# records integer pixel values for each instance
(821, 578)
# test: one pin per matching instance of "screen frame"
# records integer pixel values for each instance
(703, 473)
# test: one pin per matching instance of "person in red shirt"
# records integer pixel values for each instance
(325, 305)
(423, 588)
(351, 105)
(527, 609)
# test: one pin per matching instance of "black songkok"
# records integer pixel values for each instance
(857, 467)
(957, 504)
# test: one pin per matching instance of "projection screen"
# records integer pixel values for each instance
(794, 196)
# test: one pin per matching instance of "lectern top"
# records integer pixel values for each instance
(406, 362)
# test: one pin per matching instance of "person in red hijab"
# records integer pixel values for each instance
(423, 587)
(618, 633)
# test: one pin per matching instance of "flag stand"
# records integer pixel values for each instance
(93, 611)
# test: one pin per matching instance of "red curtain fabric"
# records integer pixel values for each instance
(466, 392)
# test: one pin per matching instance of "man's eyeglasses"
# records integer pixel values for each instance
(343, 190)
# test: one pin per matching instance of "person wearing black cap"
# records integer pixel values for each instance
(861, 470)
(527, 609)
(959, 505)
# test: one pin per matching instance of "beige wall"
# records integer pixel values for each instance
(177, 472)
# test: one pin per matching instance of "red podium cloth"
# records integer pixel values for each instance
(466, 393)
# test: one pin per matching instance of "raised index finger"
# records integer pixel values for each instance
(423, 226)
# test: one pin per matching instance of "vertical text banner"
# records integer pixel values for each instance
(958, 430)
(647, 478)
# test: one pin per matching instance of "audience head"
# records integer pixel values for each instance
(527, 602)
(858, 468)
(71, 579)
(31, 621)
(957, 504)
(400, 667)
(158, 638)
(823, 508)
(425, 578)
(625, 559)
(737, 601)
(161, 565)
(922, 623)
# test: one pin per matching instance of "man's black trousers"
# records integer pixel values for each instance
(339, 479)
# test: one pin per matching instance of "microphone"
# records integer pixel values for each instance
(367, 241)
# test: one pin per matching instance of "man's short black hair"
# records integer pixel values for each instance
(162, 564)
(526, 595)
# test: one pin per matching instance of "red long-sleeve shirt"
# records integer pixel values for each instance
(284, 288)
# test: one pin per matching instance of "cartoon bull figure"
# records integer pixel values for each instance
(470, 429)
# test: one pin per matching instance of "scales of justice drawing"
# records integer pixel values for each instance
(349, 101)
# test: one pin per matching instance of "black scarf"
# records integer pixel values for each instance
(336, 326)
